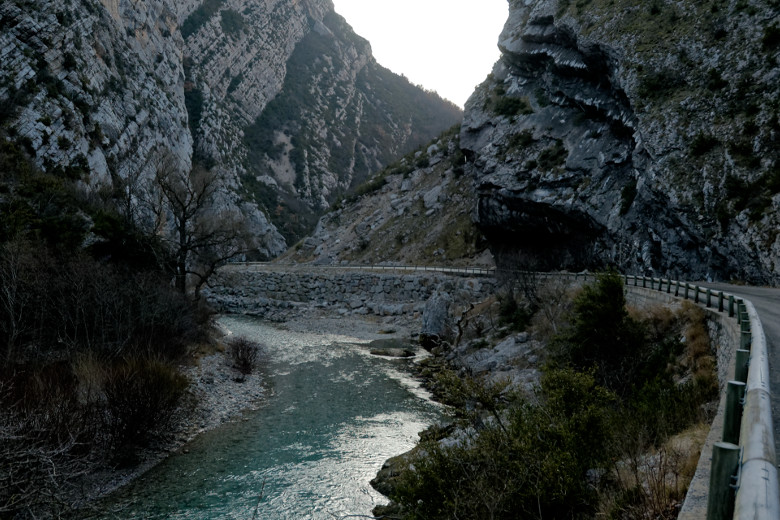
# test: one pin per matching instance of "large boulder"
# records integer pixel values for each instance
(436, 321)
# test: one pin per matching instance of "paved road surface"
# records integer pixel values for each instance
(767, 304)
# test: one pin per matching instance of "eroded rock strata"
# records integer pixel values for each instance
(642, 137)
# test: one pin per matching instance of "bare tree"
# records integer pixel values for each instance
(15, 297)
(194, 218)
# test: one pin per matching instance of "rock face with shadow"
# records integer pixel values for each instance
(643, 137)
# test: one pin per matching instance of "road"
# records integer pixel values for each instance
(767, 304)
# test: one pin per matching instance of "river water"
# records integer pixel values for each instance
(334, 414)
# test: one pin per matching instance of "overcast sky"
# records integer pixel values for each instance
(448, 46)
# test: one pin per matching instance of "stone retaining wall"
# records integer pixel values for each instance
(272, 293)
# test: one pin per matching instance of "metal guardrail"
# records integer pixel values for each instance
(744, 476)
(456, 271)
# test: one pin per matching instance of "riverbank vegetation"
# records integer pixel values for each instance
(92, 333)
(611, 431)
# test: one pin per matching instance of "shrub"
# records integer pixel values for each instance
(245, 354)
(200, 17)
(702, 143)
(771, 37)
(529, 464)
(657, 84)
(232, 22)
(602, 335)
(553, 156)
(141, 394)
(715, 81)
(512, 313)
(510, 106)
(520, 140)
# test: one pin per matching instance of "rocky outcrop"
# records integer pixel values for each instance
(437, 324)
(644, 138)
(418, 211)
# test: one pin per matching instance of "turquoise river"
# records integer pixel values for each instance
(334, 413)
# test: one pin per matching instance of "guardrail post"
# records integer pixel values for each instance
(668, 287)
(745, 340)
(744, 323)
(687, 288)
(644, 282)
(735, 391)
(725, 464)
(742, 364)
(731, 305)
(720, 301)
(709, 298)
(676, 288)
(696, 294)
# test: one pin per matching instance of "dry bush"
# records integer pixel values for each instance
(660, 321)
(555, 296)
(42, 446)
(653, 484)
(141, 395)
(697, 338)
(245, 354)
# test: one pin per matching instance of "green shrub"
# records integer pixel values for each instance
(193, 101)
(232, 22)
(510, 106)
(553, 156)
(602, 335)
(520, 140)
(771, 38)
(715, 81)
(200, 17)
(702, 143)
(512, 313)
(659, 83)
(529, 464)
(374, 185)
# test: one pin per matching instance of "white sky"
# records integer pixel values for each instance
(448, 46)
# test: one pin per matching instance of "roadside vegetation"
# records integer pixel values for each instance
(93, 332)
(612, 430)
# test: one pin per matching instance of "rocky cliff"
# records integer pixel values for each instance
(417, 211)
(643, 135)
(99, 90)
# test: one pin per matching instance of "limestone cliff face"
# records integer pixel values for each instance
(643, 136)
(93, 86)
(100, 89)
(286, 97)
